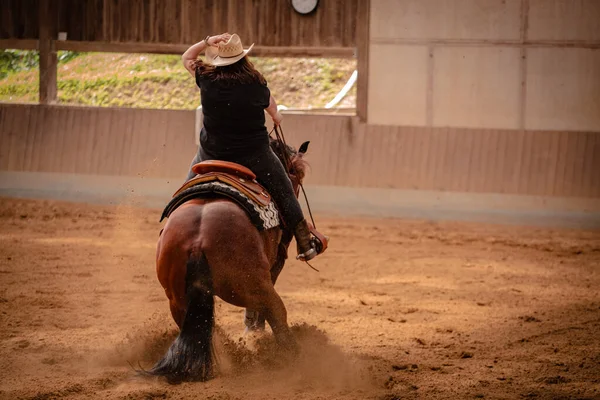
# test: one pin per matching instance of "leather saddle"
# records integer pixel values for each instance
(229, 173)
(243, 180)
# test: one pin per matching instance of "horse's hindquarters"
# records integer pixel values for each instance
(212, 248)
(238, 255)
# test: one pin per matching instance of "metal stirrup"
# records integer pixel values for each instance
(307, 255)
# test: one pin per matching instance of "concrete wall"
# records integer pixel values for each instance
(563, 89)
(564, 20)
(496, 64)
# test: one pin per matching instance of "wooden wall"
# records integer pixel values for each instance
(103, 141)
(19, 19)
(265, 22)
(160, 143)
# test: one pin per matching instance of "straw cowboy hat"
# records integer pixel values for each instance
(227, 53)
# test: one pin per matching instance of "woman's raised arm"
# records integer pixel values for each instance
(192, 53)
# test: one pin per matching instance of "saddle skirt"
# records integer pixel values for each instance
(232, 181)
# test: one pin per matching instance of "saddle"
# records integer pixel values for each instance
(226, 179)
(229, 173)
(217, 178)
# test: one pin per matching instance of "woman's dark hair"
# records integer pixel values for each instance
(239, 72)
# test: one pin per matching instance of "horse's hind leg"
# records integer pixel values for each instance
(254, 321)
(177, 313)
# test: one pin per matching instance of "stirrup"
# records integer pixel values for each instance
(319, 241)
(307, 255)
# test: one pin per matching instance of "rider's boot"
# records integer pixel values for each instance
(306, 246)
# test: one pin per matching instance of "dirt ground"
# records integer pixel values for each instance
(399, 310)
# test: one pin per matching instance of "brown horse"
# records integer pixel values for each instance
(208, 248)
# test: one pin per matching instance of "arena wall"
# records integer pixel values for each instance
(343, 152)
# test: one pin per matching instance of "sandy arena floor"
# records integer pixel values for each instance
(404, 309)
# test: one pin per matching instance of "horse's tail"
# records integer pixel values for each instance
(190, 357)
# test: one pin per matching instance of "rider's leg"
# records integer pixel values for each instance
(199, 157)
(271, 174)
(195, 161)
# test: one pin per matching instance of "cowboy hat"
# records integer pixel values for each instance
(227, 53)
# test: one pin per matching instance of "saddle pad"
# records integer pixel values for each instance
(262, 217)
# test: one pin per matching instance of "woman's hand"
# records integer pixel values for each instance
(215, 40)
(191, 54)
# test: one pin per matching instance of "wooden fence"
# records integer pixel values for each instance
(265, 22)
(343, 152)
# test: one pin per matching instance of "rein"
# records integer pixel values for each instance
(281, 139)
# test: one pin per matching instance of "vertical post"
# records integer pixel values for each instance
(362, 50)
(48, 59)
(523, 63)
(429, 95)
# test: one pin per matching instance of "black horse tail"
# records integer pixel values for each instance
(190, 357)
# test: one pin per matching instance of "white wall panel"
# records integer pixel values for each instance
(563, 89)
(476, 87)
(397, 84)
(561, 20)
(445, 19)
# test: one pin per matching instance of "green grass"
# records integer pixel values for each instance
(160, 81)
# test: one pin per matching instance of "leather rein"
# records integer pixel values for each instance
(287, 164)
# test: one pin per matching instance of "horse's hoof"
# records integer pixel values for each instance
(254, 328)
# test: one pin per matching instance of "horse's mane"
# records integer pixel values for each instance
(298, 165)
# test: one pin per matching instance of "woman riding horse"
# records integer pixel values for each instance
(234, 97)
(209, 247)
